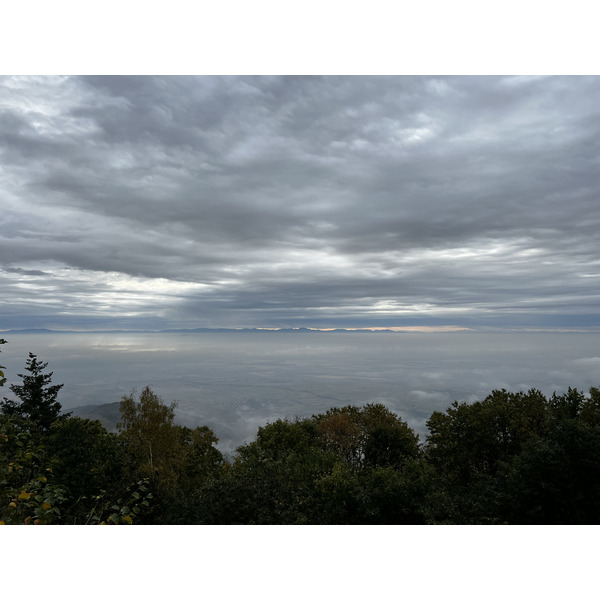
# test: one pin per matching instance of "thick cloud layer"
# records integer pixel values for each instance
(157, 202)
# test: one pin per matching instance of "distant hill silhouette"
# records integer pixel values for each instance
(107, 414)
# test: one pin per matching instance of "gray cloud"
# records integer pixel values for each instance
(314, 201)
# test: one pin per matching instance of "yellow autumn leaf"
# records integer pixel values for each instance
(127, 519)
(13, 505)
(27, 520)
(2, 523)
(37, 521)
(46, 505)
(24, 495)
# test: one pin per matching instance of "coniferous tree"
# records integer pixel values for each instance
(36, 397)
(2, 378)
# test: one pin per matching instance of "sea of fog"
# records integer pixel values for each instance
(235, 382)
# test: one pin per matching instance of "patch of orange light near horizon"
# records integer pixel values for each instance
(419, 328)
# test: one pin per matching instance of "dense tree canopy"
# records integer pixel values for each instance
(513, 457)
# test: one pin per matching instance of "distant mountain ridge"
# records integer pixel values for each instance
(108, 414)
(203, 330)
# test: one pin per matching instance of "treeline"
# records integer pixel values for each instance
(514, 458)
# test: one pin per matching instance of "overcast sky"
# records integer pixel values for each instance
(168, 202)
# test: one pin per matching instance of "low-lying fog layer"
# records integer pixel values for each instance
(236, 381)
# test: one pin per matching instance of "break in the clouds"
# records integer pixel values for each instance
(160, 202)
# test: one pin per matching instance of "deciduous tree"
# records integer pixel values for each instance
(370, 435)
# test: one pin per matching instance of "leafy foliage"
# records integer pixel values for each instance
(88, 461)
(27, 493)
(124, 511)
